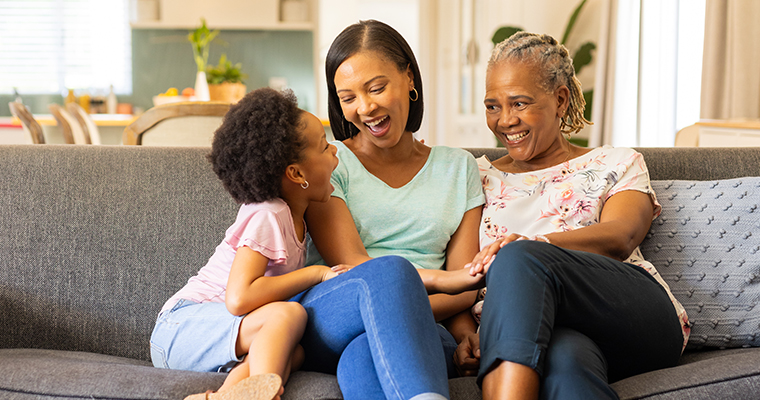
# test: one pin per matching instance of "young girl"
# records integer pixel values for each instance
(274, 159)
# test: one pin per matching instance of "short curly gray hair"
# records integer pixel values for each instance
(554, 66)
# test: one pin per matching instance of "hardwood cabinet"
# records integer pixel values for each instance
(233, 14)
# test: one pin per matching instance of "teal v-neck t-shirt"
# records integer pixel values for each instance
(415, 221)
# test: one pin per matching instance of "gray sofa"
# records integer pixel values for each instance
(93, 239)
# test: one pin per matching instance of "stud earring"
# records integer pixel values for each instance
(305, 184)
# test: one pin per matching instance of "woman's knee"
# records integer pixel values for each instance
(519, 256)
(393, 269)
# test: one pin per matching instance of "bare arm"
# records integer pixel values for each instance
(623, 224)
(461, 249)
(333, 231)
(248, 288)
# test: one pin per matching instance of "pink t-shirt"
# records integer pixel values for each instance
(266, 228)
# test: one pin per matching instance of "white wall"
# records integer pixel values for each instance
(336, 15)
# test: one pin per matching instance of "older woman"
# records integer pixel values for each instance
(571, 303)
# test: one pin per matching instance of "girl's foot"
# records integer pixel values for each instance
(258, 387)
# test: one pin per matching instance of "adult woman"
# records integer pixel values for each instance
(393, 194)
(571, 303)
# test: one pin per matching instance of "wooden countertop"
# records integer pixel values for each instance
(731, 123)
(99, 119)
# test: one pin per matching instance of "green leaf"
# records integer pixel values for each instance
(572, 20)
(588, 95)
(583, 56)
(504, 33)
(200, 39)
(578, 141)
(225, 71)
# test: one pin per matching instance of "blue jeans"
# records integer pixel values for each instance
(380, 307)
(579, 319)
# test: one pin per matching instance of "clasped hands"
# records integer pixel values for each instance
(467, 354)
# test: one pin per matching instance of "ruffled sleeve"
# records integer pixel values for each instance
(262, 231)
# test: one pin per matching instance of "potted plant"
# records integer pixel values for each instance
(225, 81)
(201, 41)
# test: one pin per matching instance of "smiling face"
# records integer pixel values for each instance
(523, 116)
(374, 96)
(318, 159)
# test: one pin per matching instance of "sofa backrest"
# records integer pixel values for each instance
(94, 239)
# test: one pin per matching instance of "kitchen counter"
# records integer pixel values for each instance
(110, 126)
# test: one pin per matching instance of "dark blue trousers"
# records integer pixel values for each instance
(579, 319)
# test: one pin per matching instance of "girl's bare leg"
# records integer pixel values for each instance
(269, 336)
(511, 381)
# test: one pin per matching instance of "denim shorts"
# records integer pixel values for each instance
(195, 337)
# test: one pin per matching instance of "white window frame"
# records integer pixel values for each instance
(50, 46)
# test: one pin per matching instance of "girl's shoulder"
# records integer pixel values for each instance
(276, 208)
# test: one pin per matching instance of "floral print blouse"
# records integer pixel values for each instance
(564, 197)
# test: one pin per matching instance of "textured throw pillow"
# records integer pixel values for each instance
(706, 246)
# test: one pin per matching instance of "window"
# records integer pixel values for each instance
(49, 46)
(658, 70)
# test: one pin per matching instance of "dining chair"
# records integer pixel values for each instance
(30, 125)
(177, 124)
(688, 136)
(91, 131)
(72, 130)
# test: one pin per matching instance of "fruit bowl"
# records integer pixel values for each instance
(159, 100)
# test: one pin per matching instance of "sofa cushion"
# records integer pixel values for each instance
(67, 374)
(706, 246)
(717, 374)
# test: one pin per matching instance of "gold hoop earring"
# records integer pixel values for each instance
(416, 95)
(305, 184)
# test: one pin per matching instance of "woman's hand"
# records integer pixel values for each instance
(485, 257)
(467, 355)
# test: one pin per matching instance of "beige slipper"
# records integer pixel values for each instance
(258, 387)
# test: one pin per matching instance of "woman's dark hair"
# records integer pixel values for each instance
(259, 137)
(373, 36)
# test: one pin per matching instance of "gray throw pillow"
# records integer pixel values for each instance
(706, 246)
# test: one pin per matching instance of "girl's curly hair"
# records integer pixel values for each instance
(259, 137)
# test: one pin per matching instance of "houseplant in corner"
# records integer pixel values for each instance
(225, 81)
(201, 41)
